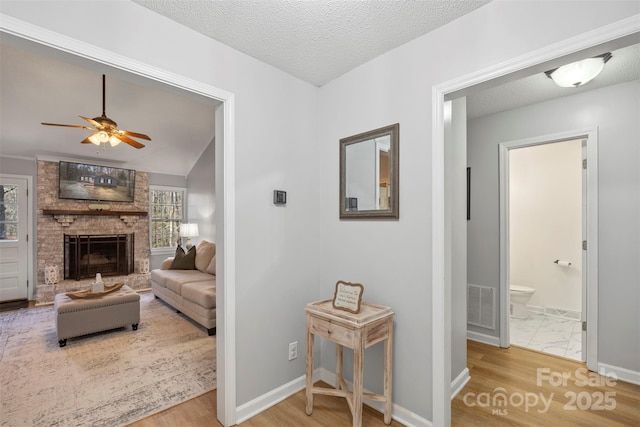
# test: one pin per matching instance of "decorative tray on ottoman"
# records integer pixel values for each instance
(88, 294)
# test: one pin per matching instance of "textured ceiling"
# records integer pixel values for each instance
(623, 66)
(317, 40)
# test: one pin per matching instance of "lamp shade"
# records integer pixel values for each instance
(94, 139)
(113, 141)
(189, 230)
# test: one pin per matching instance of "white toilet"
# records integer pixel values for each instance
(520, 296)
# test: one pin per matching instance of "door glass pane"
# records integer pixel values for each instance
(8, 212)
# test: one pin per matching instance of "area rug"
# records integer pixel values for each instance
(106, 379)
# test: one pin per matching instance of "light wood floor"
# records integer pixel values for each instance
(327, 411)
(517, 371)
(514, 369)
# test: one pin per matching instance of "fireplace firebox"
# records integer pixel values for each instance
(107, 254)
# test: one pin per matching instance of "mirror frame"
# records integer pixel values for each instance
(394, 203)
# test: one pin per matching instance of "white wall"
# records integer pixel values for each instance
(545, 222)
(201, 195)
(455, 134)
(163, 179)
(16, 166)
(615, 111)
(393, 258)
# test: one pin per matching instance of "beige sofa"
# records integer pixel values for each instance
(190, 291)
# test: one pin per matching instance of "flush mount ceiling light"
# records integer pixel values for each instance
(106, 130)
(580, 72)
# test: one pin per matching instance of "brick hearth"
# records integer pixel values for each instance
(51, 229)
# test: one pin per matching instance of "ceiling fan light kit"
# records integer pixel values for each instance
(106, 130)
(103, 137)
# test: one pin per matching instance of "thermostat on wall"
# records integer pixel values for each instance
(279, 197)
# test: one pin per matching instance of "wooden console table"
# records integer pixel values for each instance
(359, 331)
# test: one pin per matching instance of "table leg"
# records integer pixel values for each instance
(388, 363)
(339, 364)
(358, 363)
(309, 379)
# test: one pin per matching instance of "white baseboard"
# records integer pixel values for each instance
(459, 383)
(267, 400)
(562, 313)
(483, 338)
(398, 413)
(623, 374)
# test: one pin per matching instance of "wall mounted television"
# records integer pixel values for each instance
(82, 181)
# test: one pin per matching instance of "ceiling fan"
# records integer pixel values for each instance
(106, 130)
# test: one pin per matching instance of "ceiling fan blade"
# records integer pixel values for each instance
(93, 122)
(68, 126)
(135, 134)
(129, 141)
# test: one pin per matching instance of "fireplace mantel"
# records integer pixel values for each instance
(92, 212)
(66, 217)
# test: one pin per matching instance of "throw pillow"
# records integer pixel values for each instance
(204, 253)
(184, 261)
(211, 268)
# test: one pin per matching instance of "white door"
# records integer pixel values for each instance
(13, 239)
(587, 259)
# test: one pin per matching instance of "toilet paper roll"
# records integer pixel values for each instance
(563, 263)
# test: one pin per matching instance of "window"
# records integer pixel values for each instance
(8, 212)
(166, 206)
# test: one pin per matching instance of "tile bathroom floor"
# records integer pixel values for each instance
(554, 335)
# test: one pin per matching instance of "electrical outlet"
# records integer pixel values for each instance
(293, 350)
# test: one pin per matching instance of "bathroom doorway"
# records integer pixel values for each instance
(545, 237)
(544, 227)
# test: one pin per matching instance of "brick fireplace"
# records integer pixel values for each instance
(60, 217)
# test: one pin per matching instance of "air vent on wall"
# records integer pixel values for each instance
(481, 305)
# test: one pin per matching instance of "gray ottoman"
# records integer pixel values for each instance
(76, 317)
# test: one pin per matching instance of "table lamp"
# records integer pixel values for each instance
(188, 230)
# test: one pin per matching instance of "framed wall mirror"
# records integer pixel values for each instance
(369, 174)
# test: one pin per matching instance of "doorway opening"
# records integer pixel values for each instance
(543, 198)
(40, 39)
(620, 32)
